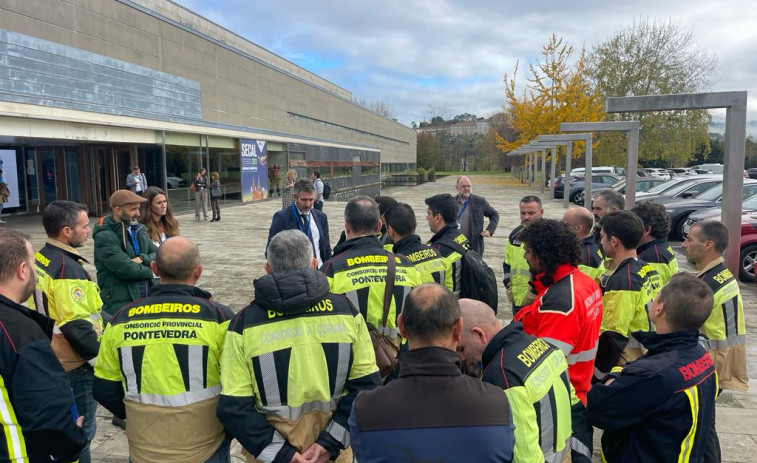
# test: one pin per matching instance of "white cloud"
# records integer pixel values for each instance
(461, 50)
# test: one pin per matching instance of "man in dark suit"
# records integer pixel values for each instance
(470, 216)
(302, 216)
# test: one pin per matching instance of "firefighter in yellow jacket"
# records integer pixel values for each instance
(66, 293)
(294, 361)
(159, 364)
(515, 267)
(725, 329)
(358, 268)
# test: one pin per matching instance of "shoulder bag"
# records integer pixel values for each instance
(386, 353)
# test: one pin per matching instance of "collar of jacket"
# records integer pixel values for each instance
(710, 265)
(623, 263)
(542, 281)
(71, 251)
(655, 343)
(406, 242)
(648, 245)
(291, 292)
(430, 361)
(45, 324)
(361, 242)
(457, 198)
(591, 239)
(499, 341)
(178, 290)
(450, 228)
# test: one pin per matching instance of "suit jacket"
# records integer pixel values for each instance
(285, 220)
(480, 208)
(131, 182)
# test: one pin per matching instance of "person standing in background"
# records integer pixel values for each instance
(156, 214)
(200, 184)
(136, 181)
(215, 196)
(318, 186)
(286, 197)
(473, 209)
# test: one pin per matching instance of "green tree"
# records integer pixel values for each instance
(655, 57)
(426, 147)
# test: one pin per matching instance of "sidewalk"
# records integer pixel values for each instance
(233, 254)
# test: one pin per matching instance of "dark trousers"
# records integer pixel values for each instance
(214, 206)
(712, 450)
(81, 380)
(318, 205)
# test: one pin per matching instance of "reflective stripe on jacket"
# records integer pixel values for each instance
(725, 328)
(517, 271)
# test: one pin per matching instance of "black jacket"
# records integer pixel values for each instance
(35, 390)
(288, 219)
(480, 208)
(432, 412)
(646, 412)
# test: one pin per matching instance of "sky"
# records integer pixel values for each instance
(413, 54)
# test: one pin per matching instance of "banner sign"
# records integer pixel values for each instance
(254, 162)
(10, 176)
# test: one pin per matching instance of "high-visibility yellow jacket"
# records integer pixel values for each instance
(725, 327)
(534, 375)
(659, 254)
(66, 293)
(358, 270)
(627, 296)
(293, 363)
(159, 367)
(427, 260)
(453, 265)
(517, 271)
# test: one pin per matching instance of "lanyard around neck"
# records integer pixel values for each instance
(462, 209)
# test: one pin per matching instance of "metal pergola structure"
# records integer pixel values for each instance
(568, 139)
(629, 127)
(735, 147)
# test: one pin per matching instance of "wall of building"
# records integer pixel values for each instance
(239, 83)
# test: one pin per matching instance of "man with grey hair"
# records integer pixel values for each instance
(294, 361)
(159, 364)
(303, 217)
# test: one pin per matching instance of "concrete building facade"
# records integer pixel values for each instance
(90, 88)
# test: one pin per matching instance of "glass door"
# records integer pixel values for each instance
(48, 176)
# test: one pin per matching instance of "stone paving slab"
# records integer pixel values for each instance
(232, 253)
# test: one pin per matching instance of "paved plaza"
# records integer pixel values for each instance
(233, 254)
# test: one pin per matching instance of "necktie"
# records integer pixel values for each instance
(304, 218)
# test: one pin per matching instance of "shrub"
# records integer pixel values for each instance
(422, 175)
(432, 175)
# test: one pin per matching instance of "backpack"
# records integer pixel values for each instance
(326, 190)
(477, 278)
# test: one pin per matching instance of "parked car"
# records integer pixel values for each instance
(748, 247)
(175, 182)
(752, 172)
(680, 208)
(581, 171)
(679, 185)
(748, 206)
(599, 181)
(656, 172)
(681, 172)
(642, 184)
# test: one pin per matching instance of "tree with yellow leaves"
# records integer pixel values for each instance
(557, 91)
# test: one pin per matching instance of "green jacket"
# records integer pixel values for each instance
(117, 274)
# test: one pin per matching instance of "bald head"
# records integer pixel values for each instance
(580, 220)
(178, 261)
(477, 314)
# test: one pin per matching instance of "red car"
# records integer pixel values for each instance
(748, 254)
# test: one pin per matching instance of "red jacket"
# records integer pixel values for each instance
(567, 313)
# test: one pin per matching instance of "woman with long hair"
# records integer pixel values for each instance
(286, 196)
(215, 196)
(156, 214)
